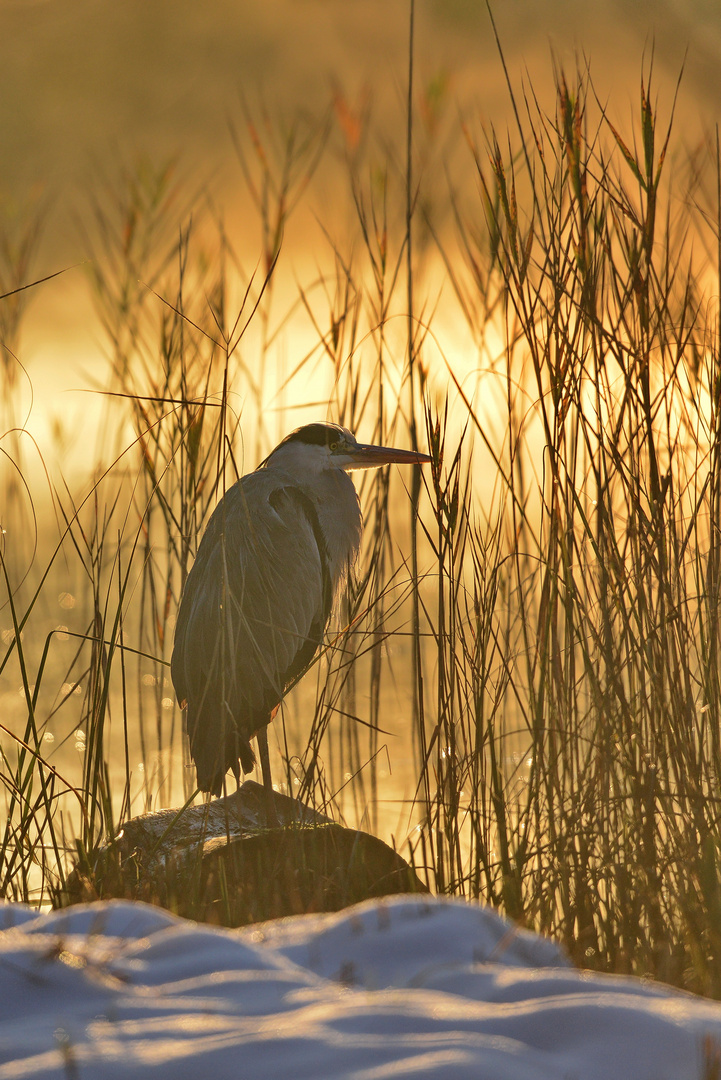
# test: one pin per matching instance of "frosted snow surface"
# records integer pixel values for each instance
(399, 988)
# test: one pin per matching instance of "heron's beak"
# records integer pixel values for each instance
(371, 457)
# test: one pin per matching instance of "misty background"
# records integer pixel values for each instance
(88, 87)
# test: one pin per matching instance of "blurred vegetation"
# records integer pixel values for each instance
(539, 651)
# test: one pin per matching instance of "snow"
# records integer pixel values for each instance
(398, 988)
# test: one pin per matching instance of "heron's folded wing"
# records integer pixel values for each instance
(258, 596)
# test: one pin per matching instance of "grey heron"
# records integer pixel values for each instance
(259, 595)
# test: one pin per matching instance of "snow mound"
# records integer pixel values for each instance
(395, 988)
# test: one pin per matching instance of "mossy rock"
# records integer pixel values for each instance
(221, 863)
(296, 870)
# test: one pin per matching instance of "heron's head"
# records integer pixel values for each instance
(316, 447)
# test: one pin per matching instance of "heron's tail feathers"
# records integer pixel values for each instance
(216, 745)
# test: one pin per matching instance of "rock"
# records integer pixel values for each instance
(222, 863)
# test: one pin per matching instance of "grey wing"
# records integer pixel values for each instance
(252, 616)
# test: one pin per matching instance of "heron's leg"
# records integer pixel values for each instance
(272, 814)
(262, 737)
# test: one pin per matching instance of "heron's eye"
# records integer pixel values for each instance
(333, 446)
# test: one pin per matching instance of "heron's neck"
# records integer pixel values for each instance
(339, 515)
